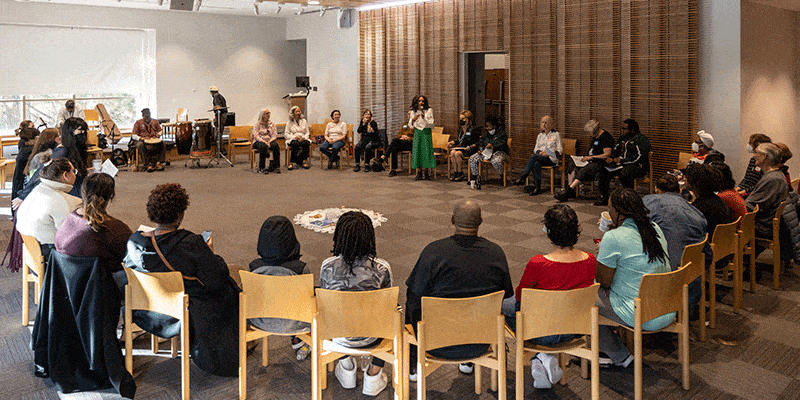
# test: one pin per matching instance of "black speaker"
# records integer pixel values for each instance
(231, 120)
(183, 5)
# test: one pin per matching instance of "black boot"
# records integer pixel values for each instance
(565, 195)
(427, 175)
(521, 180)
(537, 188)
(419, 175)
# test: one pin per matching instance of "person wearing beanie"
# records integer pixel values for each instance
(703, 149)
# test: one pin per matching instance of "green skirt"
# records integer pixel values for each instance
(422, 149)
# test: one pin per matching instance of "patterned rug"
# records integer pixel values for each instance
(324, 220)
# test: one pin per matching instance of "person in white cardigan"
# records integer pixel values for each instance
(335, 136)
(546, 153)
(46, 207)
(297, 137)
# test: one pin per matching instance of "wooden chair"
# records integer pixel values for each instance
(345, 151)
(404, 130)
(648, 179)
(554, 312)
(747, 246)
(239, 141)
(163, 293)
(683, 160)
(506, 165)
(32, 272)
(264, 296)
(449, 322)
(440, 147)
(723, 244)
(775, 246)
(6, 169)
(694, 256)
(569, 147)
(372, 313)
(796, 184)
(660, 294)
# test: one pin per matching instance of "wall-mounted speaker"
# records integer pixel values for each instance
(183, 5)
(345, 18)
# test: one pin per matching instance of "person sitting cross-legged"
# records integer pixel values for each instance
(602, 144)
(493, 146)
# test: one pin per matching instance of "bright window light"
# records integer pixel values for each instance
(392, 4)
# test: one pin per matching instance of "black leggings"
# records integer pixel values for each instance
(396, 147)
(263, 149)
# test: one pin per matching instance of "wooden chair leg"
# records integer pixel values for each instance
(478, 380)
(637, 361)
(737, 282)
(154, 344)
(173, 344)
(25, 296)
(776, 266)
(265, 351)
(562, 363)
(712, 297)
(702, 307)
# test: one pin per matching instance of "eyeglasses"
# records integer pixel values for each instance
(75, 171)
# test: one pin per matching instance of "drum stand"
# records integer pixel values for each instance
(220, 129)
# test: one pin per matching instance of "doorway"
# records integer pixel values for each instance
(484, 85)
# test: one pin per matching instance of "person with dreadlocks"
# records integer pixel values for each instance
(633, 248)
(356, 267)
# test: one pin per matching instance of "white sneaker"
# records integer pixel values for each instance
(540, 380)
(550, 363)
(466, 368)
(374, 384)
(412, 377)
(347, 377)
(303, 352)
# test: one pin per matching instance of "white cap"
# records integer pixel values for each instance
(706, 138)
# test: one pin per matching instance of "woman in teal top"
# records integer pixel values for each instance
(634, 248)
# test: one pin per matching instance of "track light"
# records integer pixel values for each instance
(278, 10)
(255, 8)
(300, 11)
(160, 2)
(197, 4)
(322, 13)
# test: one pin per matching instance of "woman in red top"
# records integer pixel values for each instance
(564, 268)
(727, 192)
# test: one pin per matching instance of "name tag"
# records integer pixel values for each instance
(596, 142)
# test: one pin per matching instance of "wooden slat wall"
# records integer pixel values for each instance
(572, 59)
(439, 65)
(372, 65)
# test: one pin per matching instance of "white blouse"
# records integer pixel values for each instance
(335, 131)
(296, 130)
(421, 123)
(549, 141)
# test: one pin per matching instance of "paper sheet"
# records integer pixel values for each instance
(108, 167)
(578, 162)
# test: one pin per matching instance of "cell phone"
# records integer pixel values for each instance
(206, 235)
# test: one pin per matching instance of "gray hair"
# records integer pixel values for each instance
(772, 152)
(40, 159)
(591, 126)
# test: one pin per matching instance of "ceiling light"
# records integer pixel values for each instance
(255, 8)
(391, 4)
(300, 11)
(197, 4)
(160, 2)
(278, 10)
(322, 13)
(313, 2)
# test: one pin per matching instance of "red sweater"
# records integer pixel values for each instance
(541, 273)
(734, 202)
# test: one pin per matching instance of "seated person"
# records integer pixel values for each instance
(90, 232)
(703, 149)
(632, 154)
(73, 147)
(356, 267)
(263, 137)
(704, 181)
(602, 144)
(727, 192)
(564, 268)
(546, 152)
(27, 139)
(461, 147)
(213, 294)
(335, 138)
(462, 265)
(401, 142)
(149, 155)
(681, 222)
(279, 255)
(753, 173)
(70, 110)
(369, 141)
(786, 155)
(770, 191)
(634, 247)
(45, 209)
(493, 146)
(297, 138)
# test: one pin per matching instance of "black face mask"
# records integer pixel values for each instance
(462, 122)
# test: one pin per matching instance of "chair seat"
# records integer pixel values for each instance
(253, 334)
(383, 346)
(438, 360)
(558, 348)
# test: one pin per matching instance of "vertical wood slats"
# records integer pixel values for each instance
(572, 59)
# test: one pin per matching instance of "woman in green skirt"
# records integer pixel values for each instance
(420, 116)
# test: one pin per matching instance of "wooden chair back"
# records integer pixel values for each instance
(349, 134)
(288, 297)
(317, 130)
(91, 117)
(449, 322)
(556, 312)
(182, 115)
(683, 160)
(32, 255)
(155, 291)
(569, 146)
(370, 313)
(723, 243)
(747, 228)
(240, 133)
(776, 222)
(795, 184)
(693, 254)
(662, 293)
(440, 140)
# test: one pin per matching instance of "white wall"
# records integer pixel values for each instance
(719, 86)
(331, 64)
(771, 75)
(247, 57)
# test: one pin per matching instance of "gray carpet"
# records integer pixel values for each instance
(233, 202)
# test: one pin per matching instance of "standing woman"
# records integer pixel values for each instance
(462, 148)
(263, 137)
(335, 135)
(420, 116)
(297, 138)
(368, 142)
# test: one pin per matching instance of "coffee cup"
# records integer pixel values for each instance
(605, 221)
(97, 164)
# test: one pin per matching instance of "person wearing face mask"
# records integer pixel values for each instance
(753, 173)
(548, 149)
(493, 146)
(769, 191)
(369, 140)
(629, 159)
(461, 147)
(703, 149)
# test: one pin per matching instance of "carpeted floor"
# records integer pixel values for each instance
(758, 359)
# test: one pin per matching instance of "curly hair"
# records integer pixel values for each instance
(727, 182)
(703, 179)
(785, 153)
(354, 237)
(97, 191)
(562, 225)
(414, 101)
(166, 203)
(628, 204)
(668, 183)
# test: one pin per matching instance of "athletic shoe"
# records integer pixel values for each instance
(392, 173)
(305, 164)
(347, 377)
(466, 368)
(540, 380)
(303, 352)
(357, 168)
(550, 363)
(374, 384)
(297, 343)
(367, 168)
